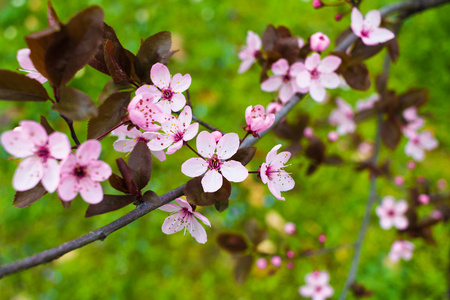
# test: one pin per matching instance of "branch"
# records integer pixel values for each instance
(204, 124)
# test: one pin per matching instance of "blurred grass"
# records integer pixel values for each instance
(139, 261)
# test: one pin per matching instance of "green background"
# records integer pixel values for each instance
(139, 261)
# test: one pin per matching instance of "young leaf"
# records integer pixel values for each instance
(128, 177)
(244, 155)
(362, 51)
(38, 43)
(75, 105)
(109, 114)
(356, 76)
(232, 242)
(118, 183)
(242, 268)
(269, 38)
(46, 125)
(195, 194)
(26, 198)
(73, 45)
(393, 49)
(413, 97)
(110, 88)
(114, 68)
(315, 150)
(333, 160)
(155, 48)
(52, 17)
(140, 164)
(18, 87)
(108, 204)
(151, 197)
(390, 133)
(221, 206)
(255, 233)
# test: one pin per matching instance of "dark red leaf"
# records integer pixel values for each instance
(255, 233)
(38, 43)
(140, 164)
(393, 49)
(18, 87)
(221, 205)
(75, 105)
(118, 183)
(151, 197)
(362, 51)
(52, 17)
(242, 268)
(128, 177)
(334, 160)
(288, 48)
(356, 76)
(232, 242)
(244, 155)
(195, 194)
(26, 198)
(114, 68)
(390, 133)
(364, 114)
(360, 291)
(112, 87)
(269, 38)
(315, 150)
(108, 204)
(46, 125)
(412, 97)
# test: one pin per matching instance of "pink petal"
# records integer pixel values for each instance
(170, 207)
(37, 76)
(286, 92)
(91, 191)
(125, 145)
(357, 22)
(296, 68)
(89, 151)
(50, 180)
(149, 91)
(212, 181)
(262, 173)
(160, 75)
(248, 115)
(228, 145)
(427, 141)
(165, 106)
(280, 160)
(28, 174)
(329, 80)
(173, 223)
(23, 57)
(415, 152)
(68, 165)
(35, 132)
(401, 222)
(327, 291)
(190, 132)
(272, 154)
(303, 79)
(386, 223)
(284, 181)
(185, 116)
(274, 189)
(329, 64)
(178, 102)
(372, 20)
(401, 207)
(312, 61)
(317, 91)
(202, 218)
(175, 147)
(306, 291)
(17, 144)
(180, 83)
(160, 155)
(197, 230)
(253, 40)
(245, 65)
(206, 144)
(68, 188)
(280, 67)
(194, 167)
(234, 171)
(160, 142)
(58, 145)
(184, 204)
(271, 84)
(380, 35)
(388, 202)
(99, 171)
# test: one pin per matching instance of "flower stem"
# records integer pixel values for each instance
(198, 154)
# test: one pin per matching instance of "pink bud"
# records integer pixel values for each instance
(333, 136)
(442, 184)
(276, 261)
(411, 165)
(290, 265)
(437, 214)
(308, 132)
(217, 135)
(317, 4)
(289, 228)
(319, 42)
(338, 17)
(290, 254)
(398, 180)
(420, 179)
(261, 263)
(322, 238)
(274, 107)
(424, 199)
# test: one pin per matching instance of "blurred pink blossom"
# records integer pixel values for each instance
(23, 57)
(257, 120)
(367, 103)
(322, 238)
(290, 254)
(368, 29)
(308, 132)
(392, 213)
(317, 4)
(274, 107)
(401, 249)
(183, 217)
(319, 42)
(442, 184)
(418, 143)
(261, 263)
(342, 117)
(290, 228)
(411, 165)
(333, 136)
(399, 180)
(290, 265)
(276, 261)
(251, 52)
(424, 198)
(317, 286)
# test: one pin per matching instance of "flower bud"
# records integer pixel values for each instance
(322, 238)
(289, 228)
(338, 17)
(274, 107)
(290, 265)
(399, 181)
(333, 136)
(308, 132)
(261, 263)
(290, 254)
(319, 42)
(276, 261)
(424, 198)
(317, 4)
(217, 135)
(411, 165)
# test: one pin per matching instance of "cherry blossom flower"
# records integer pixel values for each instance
(23, 57)
(342, 117)
(176, 131)
(401, 249)
(319, 42)
(183, 217)
(144, 113)
(322, 238)
(271, 172)
(414, 122)
(169, 90)
(39, 152)
(290, 254)
(300, 42)
(261, 263)
(135, 136)
(442, 184)
(257, 120)
(368, 29)
(283, 79)
(308, 132)
(418, 143)
(424, 198)
(290, 228)
(215, 161)
(399, 180)
(274, 107)
(251, 52)
(333, 136)
(82, 173)
(317, 286)
(392, 213)
(319, 74)
(276, 261)
(367, 103)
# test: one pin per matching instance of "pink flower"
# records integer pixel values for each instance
(135, 136)
(368, 29)
(39, 152)
(215, 161)
(424, 198)
(144, 113)
(290, 254)
(333, 136)
(169, 90)
(418, 143)
(308, 132)
(283, 79)
(261, 263)
(392, 213)
(319, 74)
(274, 107)
(82, 173)
(249, 54)
(319, 42)
(300, 42)
(276, 261)
(399, 180)
(342, 117)
(176, 131)
(183, 217)
(317, 286)
(414, 122)
(317, 3)
(322, 238)
(401, 249)
(271, 172)
(290, 228)
(257, 120)
(367, 103)
(411, 165)
(23, 57)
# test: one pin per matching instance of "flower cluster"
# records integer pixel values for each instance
(317, 286)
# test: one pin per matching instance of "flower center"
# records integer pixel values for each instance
(365, 33)
(80, 172)
(178, 136)
(142, 139)
(167, 94)
(318, 289)
(314, 74)
(43, 153)
(214, 163)
(391, 213)
(286, 78)
(257, 54)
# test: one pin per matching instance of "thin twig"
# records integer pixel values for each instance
(73, 134)
(204, 124)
